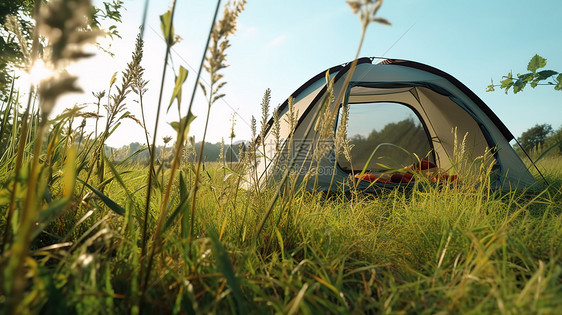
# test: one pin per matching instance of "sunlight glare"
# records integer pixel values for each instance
(39, 72)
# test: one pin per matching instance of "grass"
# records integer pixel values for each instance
(121, 237)
(432, 251)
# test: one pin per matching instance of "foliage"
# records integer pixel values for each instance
(555, 139)
(535, 136)
(110, 12)
(405, 134)
(211, 153)
(534, 77)
(541, 140)
(442, 249)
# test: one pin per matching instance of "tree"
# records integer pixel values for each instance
(555, 140)
(535, 136)
(534, 77)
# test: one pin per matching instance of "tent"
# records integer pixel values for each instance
(399, 112)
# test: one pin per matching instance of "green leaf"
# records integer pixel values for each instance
(184, 124)
(535, 83)
(519, 85)
(167, 28)
(558, 86)
(119, 178)
(69, 178)
(506, 83)
(108, 202)
(180, 80)
(542, 75)
(526, 77)
(225, 267)
(181, 208)
(183, 187)
(545, 74)
(490, 87)
(536, 63)
(54, 208)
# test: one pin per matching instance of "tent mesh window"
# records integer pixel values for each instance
(393, 131)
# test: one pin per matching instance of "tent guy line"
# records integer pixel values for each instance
(396, 42)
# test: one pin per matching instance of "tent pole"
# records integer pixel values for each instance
(532, 162)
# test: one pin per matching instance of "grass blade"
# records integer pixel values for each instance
(225, 267)
(108, 202)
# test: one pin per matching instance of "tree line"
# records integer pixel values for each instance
(541, 137)
(137, 152)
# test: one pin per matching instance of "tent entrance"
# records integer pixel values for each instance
(437, 120)
(393, 131)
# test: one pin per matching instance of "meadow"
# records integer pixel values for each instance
(85, 233)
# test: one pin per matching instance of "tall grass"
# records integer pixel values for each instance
(110, 243)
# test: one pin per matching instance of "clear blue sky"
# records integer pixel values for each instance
(281, 44)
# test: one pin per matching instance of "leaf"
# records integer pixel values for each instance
(225, 267)
(506, 83)
(108, 202)
(203, 88)
(180, 80)
(536, 63)
(518, 86)
(167, 28)
(217, 97)
(113, 129)
(183, 124)
(535, 83)
(355, 5)
(545, 74)
(54, 208)
(558, 86)
(183, 187)
(113, 79)
(119, 178)
(526, 77)
(542, 75)
(227, 176)
(490, 87)
(181, 208)
(382, 21)
(69, 173)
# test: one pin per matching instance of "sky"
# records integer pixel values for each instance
(281, 44)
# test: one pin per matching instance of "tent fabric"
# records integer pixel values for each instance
(439, 101)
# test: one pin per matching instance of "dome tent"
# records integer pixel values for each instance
(398, 112)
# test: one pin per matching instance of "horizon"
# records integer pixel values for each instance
(272, 51)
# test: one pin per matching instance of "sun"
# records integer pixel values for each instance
(39, 72)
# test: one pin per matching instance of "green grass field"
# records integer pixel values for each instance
(454, 249)
(83, 233)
